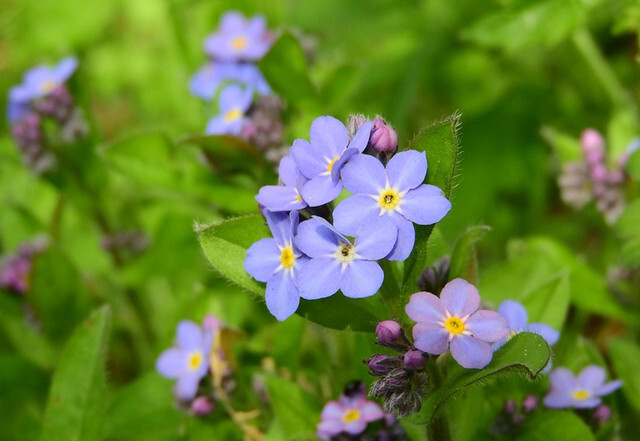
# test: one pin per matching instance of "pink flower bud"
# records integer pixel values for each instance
(592, 141)
(414, 360)
(602, 414)
(202, 406)
(388, 332)
(212, 323)
(383, 137)
(529, 403)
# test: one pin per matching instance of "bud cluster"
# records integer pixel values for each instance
(264, 129)
(402, 377)
(15, 269)
(383, 141)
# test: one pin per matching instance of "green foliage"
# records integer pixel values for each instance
(625, 356)
(627, 228)
(555, 425)
(464, 259)
(75, 409)
(296, 410)
(525, 353)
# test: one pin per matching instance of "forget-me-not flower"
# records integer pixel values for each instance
(454, 321)
(277, 262)
(284, 197)
(350, 415)
(337, 264)
(233, 104)
(239, 38)
(322, 159)
(210, 77)
(583, 391)
(397, 192)
(188, 361)
(516, 316)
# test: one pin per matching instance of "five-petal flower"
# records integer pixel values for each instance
(239, 38)
(583, 391)
(350, 415)
(284, 197)
(233, 103)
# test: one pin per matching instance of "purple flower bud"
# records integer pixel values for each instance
(383, 137)
(529, 403)
(202, 406)
(414, 360)
(388, 332)
(592, 141)
(510, 407)
(381, 364)
(602, 414)
(599, 173)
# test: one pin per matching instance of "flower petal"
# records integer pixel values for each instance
(282, 296)
(287, 171)
(280, 226)
(470, 352)
(425, 205)
(375, 237)
(355, 427)
(514, 313)
(589, 403)
(407, 170)
(371, 411)
(361, 138)
(549, 334)
(171, 363)
(319, 278)
(362, 278)
(558, 400)
(332, 410)
(337, 166)
(309, 162)
(280, 198)
(187, 386)
(424, 307)
(364, 174)
(189, 335)
(315, 239)
(562, 379)
(406, 239)
(263, 258)
(216, 126)
(591, 378)
(487, 326)
(608, 388)
(320, 190)
(348, 215)
(460, 297)
(328, 136)
(431, 338)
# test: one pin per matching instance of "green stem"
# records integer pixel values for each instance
(437, 429)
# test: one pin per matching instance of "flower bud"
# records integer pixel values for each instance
(592, 144)
(388, 332)
(383, 137)
(381, 364)
(202, 406)
(414, 360)
(529, 403)
(602, 414)
(433, 278)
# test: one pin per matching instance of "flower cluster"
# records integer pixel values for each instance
(196, 356)
(15, 269)
(312, 258)
(352, 415)
(591, 178)
(43, 95)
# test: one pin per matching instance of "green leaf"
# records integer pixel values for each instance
(530, 24)
(625, 356)
(525, 353)
(464, 261)
(622, 129)
(285, 69)
(225, 244)
(633, 165)
(297, 410)
(549, 303)
(76, 399)
(440, 142)
(627, 228)
(566, 147)
(554, 425)
(340, 312)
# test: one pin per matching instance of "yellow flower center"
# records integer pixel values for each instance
(195, 359)
(581, 394)
(239, 43)
(298, 198)
(454, 325)
(232, 115)
(389, 199)
(330, 166)
(287, 258)
(345, 253)
(351, 415)
(48, 86)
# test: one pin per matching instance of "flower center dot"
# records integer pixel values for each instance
(454, 325)
(298, 198)
(351, 415)
(345, 253)
(287, 258)
(239, 43)
(330, 166)
(581, 394)
(48, 86)
(389, 199)
(194, 360)
(232, 115)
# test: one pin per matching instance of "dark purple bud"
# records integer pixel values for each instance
(414, 360)
(529, 403)
(355, 389)
(202, 406)
(602, 414)
(510, 407)
(383, 137)
(388, 332)
(381, 364)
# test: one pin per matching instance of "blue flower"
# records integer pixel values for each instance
(397, 192)
(516, 316)
(321, 160)
(188, 361)
(337, 264)
(582, 392)
(233, 103)
(284, 197)
(277, 262)
(239, 39)
(209, 78)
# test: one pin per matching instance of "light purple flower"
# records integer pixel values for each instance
(209, 78)
(583, 391)
(454, 321)
(239, 39)
(516, 316)
(397, 192)
(277, 262)
(350, 414)
(233, 103)
(188, 361)
(284, 197)
(337, 264)
(322, 159)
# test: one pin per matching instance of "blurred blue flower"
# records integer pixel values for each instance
(210, 77)
(188, 361)
(233, 104)
(337, 264)
(277, 262)
(516, 316)
(239, 38)
(454, 321)
(397, 191)
(351, 415)
(284, 197)
(321, 160)
(583, 391)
